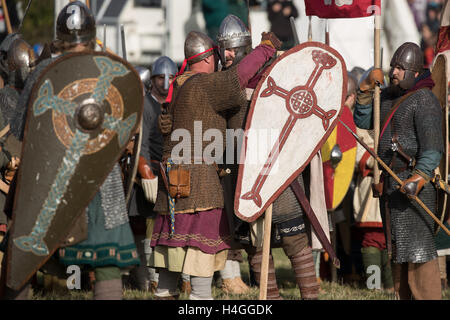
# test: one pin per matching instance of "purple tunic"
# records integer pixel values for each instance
(205, 230)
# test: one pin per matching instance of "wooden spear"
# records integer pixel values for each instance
(309, 29)
(265, 254)
(396, 178)
(376, 102)
(5, 12)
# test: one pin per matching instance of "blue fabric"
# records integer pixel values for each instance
(442, 239)
(363, 116)
(103, 247)
(427, 161)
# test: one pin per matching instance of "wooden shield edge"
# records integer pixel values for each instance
(136, 151)
(19, 176)
(318, 146)
(440, 77)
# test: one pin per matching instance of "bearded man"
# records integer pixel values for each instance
(412, 120)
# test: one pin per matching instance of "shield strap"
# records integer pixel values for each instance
(303, 200)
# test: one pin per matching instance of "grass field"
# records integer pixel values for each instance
(286, 283)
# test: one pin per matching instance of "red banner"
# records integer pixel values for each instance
(342, 8)
(443, 43)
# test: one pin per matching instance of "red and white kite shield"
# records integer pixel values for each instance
(294, 109)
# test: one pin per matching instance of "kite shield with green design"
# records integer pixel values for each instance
(83, 110)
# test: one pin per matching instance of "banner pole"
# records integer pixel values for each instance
(376, 101)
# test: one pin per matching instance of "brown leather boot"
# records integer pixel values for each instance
(232, 286)
(242, 284)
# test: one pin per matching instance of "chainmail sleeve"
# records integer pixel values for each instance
(427, 121)
(228, 94)
(9, 98)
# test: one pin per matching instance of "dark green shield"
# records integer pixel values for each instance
(82, 111)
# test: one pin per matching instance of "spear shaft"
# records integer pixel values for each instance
(396, 178)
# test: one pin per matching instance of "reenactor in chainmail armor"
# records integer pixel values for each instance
(109, 234)
(191, 233)
(288, 229)
(16, 62)
(412, 120)
(143, 195)
(234, 40)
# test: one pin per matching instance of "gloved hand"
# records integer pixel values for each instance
(165, 123)
(271, 40)
(374, 77)
(413, 185)
(149, 181)
(150, 187)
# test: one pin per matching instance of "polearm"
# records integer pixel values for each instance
(248, 17)
(264, 277)
(301, 197)
(265, 254)
(376, 101)
(309, 29)
(396, 178)
(294, 30)
(124, 46)
(24, 15)
(5, 11)
(104, 38)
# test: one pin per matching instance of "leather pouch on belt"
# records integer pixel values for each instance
(179, 182)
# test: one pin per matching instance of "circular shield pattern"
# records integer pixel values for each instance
(73, 92)
(301, 102)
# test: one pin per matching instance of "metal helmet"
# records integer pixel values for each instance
(21, 60)
(164, 65)
(75, 23)
(234, 34)
(357, 72)
(196, 43)
(409, 56)
(145, 75)
(4, 47)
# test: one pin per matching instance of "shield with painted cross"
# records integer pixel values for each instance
(82, 112)
(294, 108)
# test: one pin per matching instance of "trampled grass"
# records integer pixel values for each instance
(286, 283)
